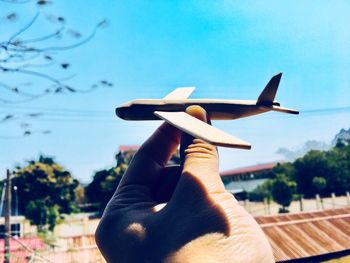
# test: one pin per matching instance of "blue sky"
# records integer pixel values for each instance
(227, 49)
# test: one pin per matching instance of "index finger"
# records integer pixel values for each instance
(155, 152)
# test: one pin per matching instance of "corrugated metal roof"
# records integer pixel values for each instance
(250, 169)
(307, 234)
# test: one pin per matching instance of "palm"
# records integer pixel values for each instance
(201, 222)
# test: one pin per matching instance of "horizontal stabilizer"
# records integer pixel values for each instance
(281, 109)
(201, 130)
(267, 96)
(285, 110)
(180, 93)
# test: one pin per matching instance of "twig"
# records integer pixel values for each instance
(87, 39)
(43, 38)
(24, 28)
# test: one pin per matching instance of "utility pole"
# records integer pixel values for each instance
(7, 217)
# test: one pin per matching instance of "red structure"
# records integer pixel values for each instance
(22, 248)
(128, 148)
(249, 172)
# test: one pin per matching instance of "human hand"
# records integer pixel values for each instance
(201, 221)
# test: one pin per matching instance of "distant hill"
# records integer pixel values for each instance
(291, 155)
(342, 135)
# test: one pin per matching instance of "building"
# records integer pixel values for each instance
(128, 148)
(22, 249)
(316, 236)
(246, 179)
(20, 226)
(258, 171)
(126, 152)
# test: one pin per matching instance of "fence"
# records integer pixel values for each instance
(318, 203)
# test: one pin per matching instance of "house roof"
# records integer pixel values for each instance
(308, 234)
(126, 148)
(250, 169)
(17, 244)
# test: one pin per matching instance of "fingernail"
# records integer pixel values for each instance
(197, 112)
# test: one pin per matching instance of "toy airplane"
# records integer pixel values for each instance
(172, 110)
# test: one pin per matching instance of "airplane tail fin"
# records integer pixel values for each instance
(267, 96)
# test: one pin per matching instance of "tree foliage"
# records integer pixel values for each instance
(106, 181)
(282, 190)
(319, 183)
(332, 166)
(261, 192)
(104, 184)
(313, 164)
(45, 190)
(317, 172)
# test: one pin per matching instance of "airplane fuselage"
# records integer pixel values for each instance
(172, 109)
(144, 109)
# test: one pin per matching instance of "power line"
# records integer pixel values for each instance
(65, 110)
(11, 137)
(335, 109)
(99, 116)
(32, 115)
(74, 120)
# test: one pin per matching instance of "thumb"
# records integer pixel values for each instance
(199, 158)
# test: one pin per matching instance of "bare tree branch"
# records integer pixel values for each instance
(43, 38)
(17, 90)
(24, 100)
(57, 48)
(33, 73)
(24, 28)
(31, 65)
(23, 55)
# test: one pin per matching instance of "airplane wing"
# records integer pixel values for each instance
(201, 130)
(180, 93)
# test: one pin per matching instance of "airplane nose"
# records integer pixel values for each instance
(120, 112)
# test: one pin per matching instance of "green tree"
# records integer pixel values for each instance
(106, 181)
(283, 168)
(282, 191)
(332, 165)
(319, 184)
(45, 190)
(42, 215)
(338, 180)
(261, 192)
(103, 185)
(314, 163)
(323, 172)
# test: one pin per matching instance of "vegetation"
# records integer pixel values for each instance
(282, 191)
(317, 172)
(45, 190)
(105, 182)
(103, 185)
(261, 192)
(319, 184)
